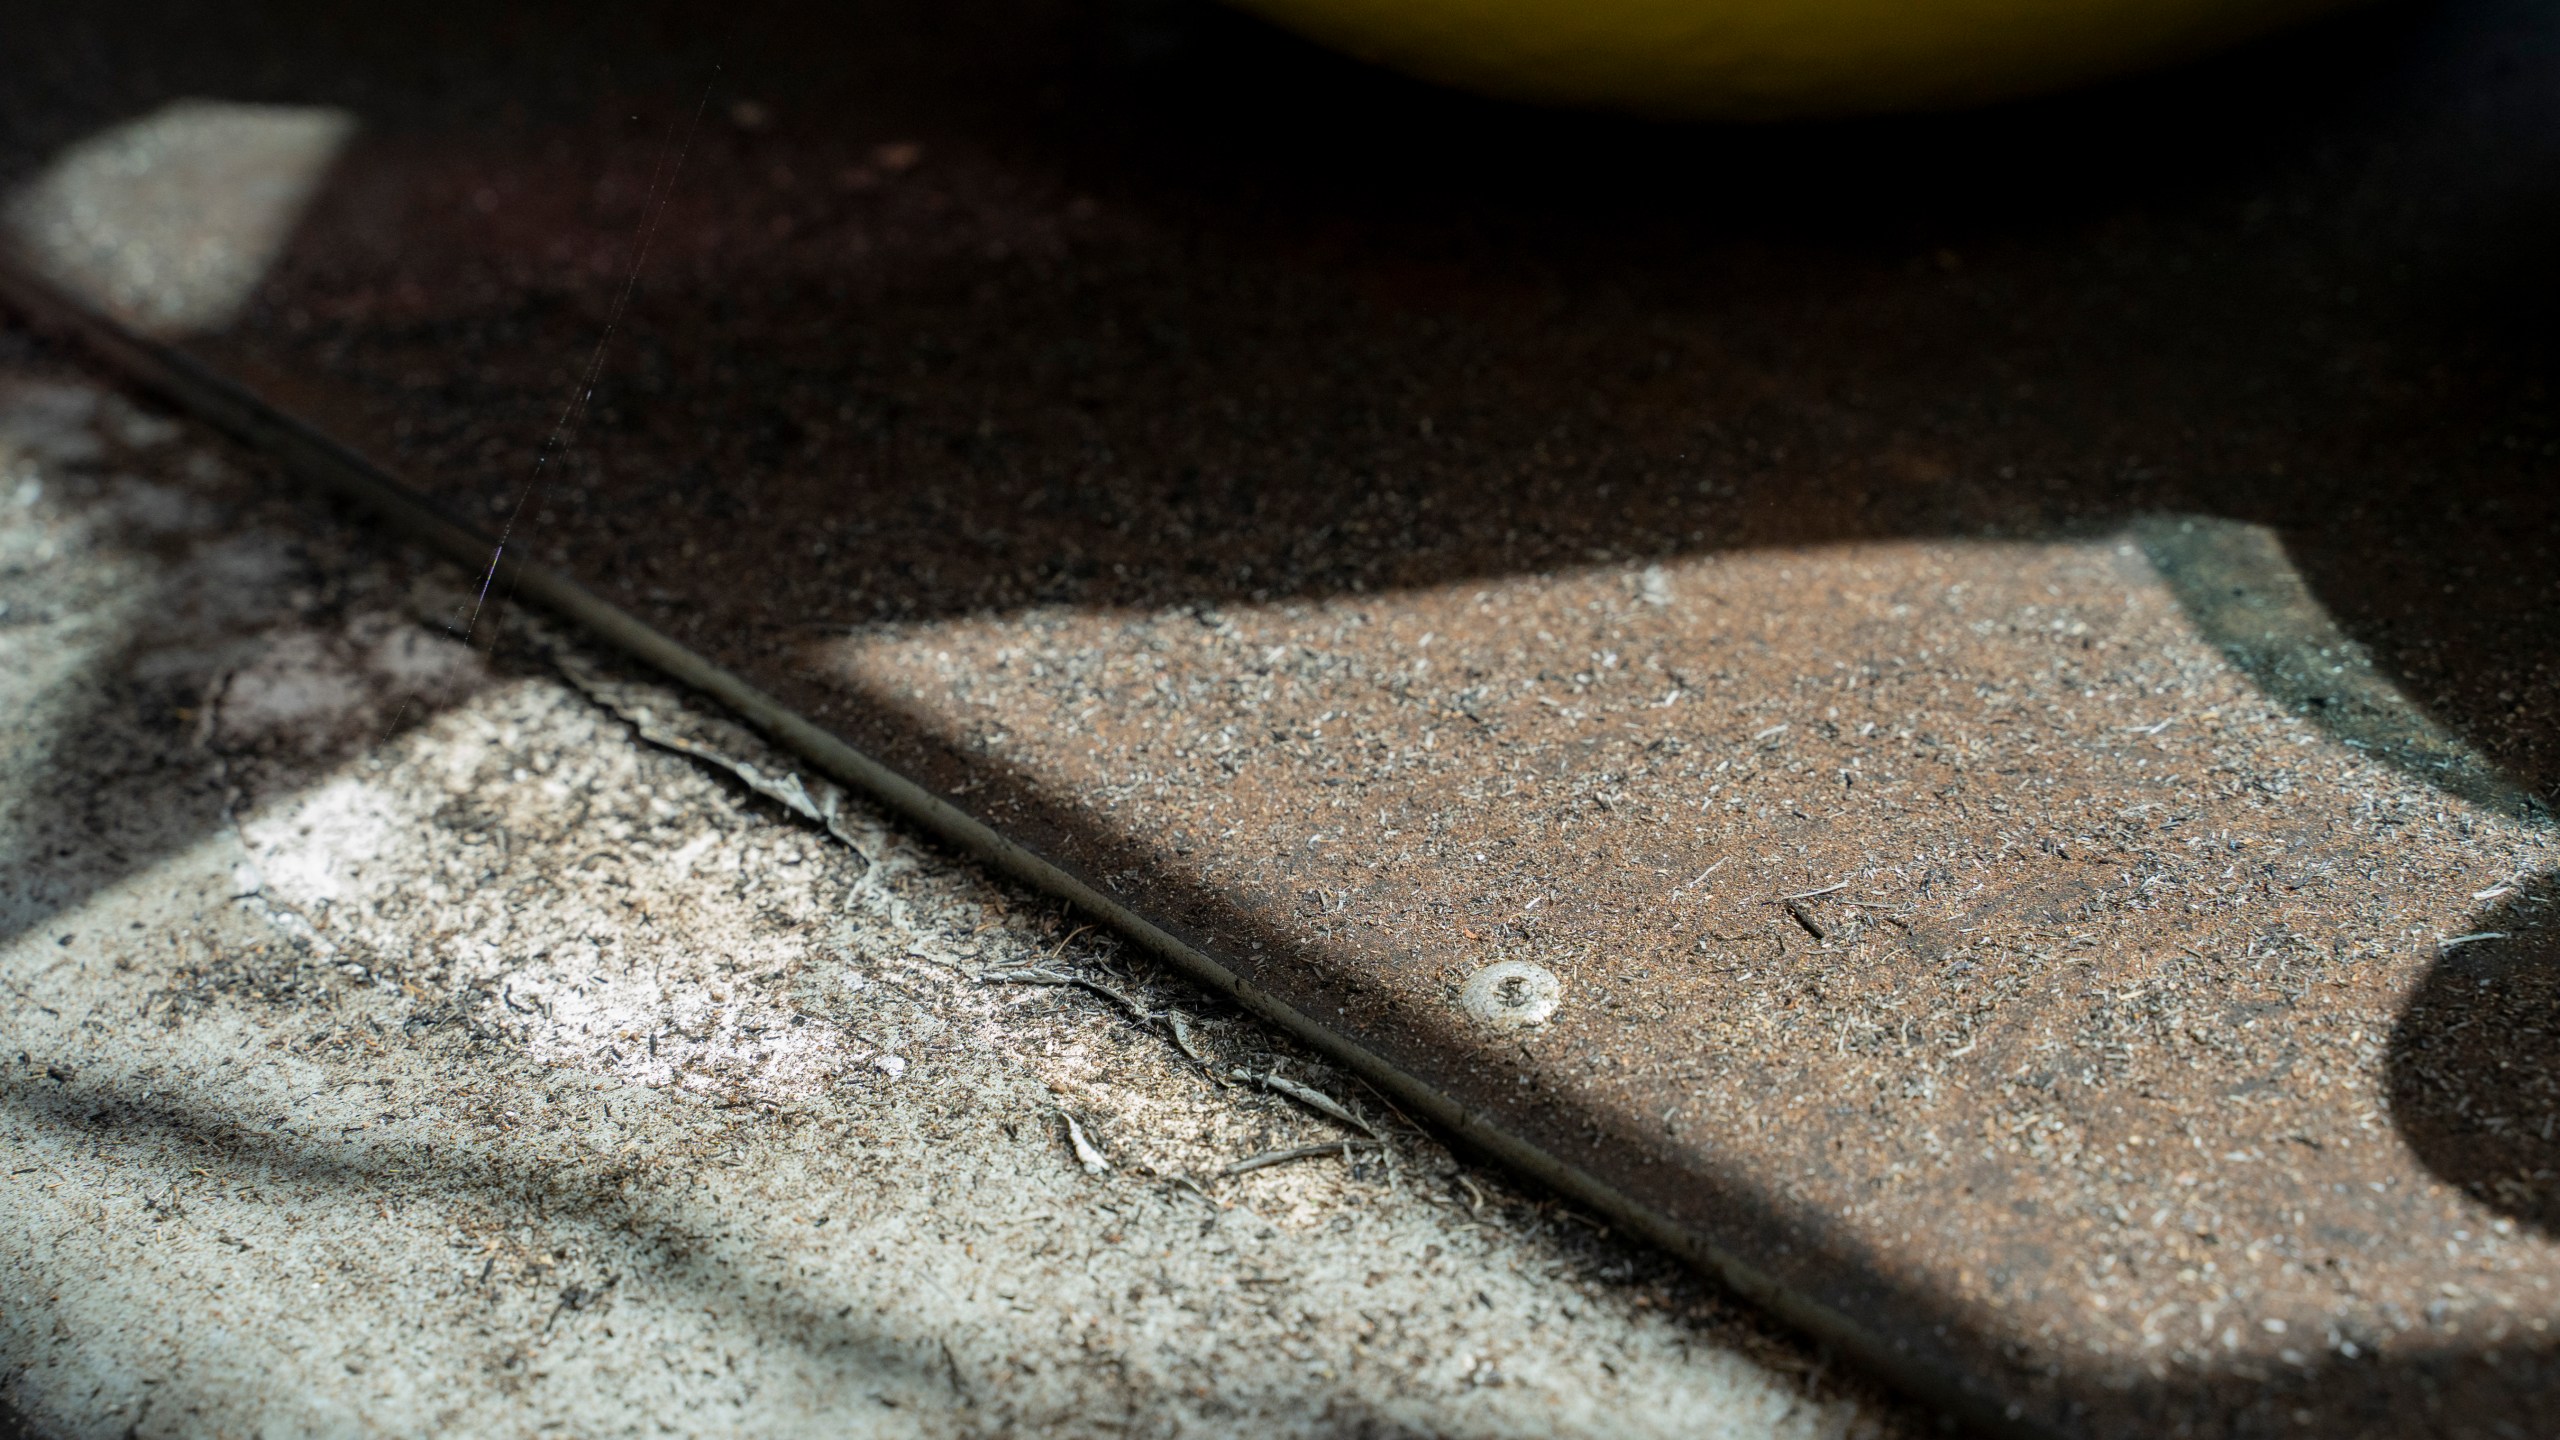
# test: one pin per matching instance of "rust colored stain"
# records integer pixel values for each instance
(2072, 1041)
(1989, 657)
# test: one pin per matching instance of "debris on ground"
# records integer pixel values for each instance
(408, 1035)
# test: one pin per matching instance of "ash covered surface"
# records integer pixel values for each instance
(395, 1041)
(2094, 558)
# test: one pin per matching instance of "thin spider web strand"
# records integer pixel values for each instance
(662, 183)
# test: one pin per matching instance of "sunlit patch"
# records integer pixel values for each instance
(694, 998)
(1197, 697)
(697, 1036)
(312, 850)
(171, 221)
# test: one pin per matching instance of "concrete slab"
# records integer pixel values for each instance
(2002, 664)
(396, 1044)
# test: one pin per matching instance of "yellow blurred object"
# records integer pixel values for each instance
(1776, 59)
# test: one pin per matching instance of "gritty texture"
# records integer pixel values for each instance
(2005, 663)
(1981, 945)
(396, 1043)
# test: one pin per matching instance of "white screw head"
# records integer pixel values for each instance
(1511, 995)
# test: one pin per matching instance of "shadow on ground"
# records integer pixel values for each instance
(614, 1210)
(2474, 1085)
(1144, 305)
(952, 313)
(966, 310)
(206, 638)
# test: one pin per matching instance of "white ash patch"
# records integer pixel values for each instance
(313, 850)
(292, 689)
(698, 997)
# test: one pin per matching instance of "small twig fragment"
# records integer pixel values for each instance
(1797, 913)
(1579, 1218)
(1310, 1097)
(1087, 1155)
(2474, 938)
(1694, 880)
(1180, 1025)
(2502, 889)
(1035, 975)
(824, 808)
(1301, 1152)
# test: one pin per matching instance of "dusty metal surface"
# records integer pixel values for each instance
(1989, 658)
